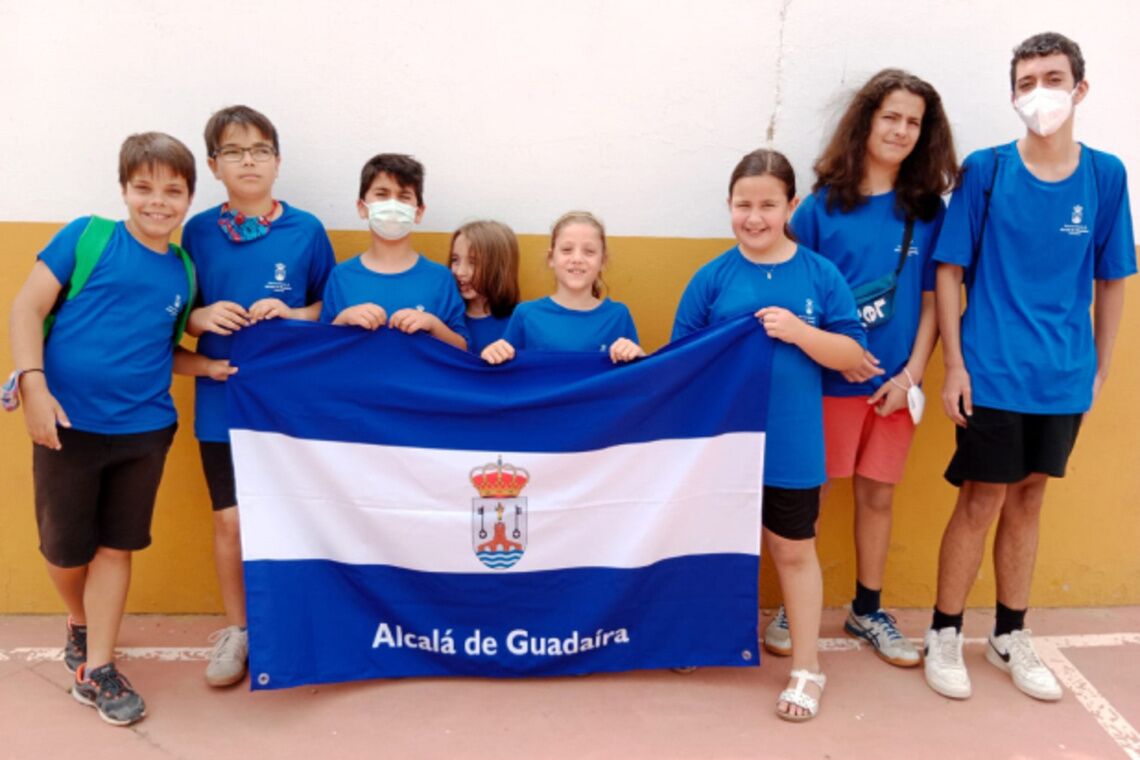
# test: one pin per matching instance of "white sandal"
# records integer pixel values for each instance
(799, 697)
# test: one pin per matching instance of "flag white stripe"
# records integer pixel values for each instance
(412, 508)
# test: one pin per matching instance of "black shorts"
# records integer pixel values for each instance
(98, 490)
(997, 446)
(791, 512)
(218, 466)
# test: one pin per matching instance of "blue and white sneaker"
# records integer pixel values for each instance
(777, 636)
(878, 629)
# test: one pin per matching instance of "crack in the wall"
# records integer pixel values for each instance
(770, 134)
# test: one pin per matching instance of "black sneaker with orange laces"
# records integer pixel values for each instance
(75, 650)
(109, 692)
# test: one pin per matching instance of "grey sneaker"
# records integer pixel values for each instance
(75, 650)
(109, 692)
(777, 637)
(945, 670)
(878, 629)
(1013, 653)
(228, 660)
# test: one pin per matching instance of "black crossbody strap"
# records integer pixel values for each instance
(908, 233)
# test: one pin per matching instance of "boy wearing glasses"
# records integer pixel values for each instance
(257, 258)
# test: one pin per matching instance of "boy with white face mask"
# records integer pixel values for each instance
(1039, 225)
(390, 284)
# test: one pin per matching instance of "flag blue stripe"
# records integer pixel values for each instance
(318, 619)
(345, 384)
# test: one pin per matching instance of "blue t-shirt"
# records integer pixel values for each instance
(426, 286)
(543, 325)
(810, 287)
(290, 263)
(109, 356)
(864, 244)
(484, 331)
(1027, 336)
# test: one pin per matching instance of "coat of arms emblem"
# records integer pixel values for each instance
(498, 516)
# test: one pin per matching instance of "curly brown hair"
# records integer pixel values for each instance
(928, 172)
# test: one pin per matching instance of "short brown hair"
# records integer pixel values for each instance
(582, 217)
(1048, 43)
(152, 149)
(495, 255)
(242, 116)
(407, 171)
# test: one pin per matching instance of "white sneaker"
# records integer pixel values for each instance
(228, 660)
(1013, 653)
(943, 664)
(777, 636)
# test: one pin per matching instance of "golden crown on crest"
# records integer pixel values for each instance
(496, 480)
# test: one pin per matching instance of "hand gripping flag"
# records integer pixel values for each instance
(409, 510)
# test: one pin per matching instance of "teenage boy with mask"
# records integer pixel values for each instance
(1024, 362)
(390, 284)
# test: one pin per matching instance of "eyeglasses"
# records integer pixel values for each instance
(232, 154)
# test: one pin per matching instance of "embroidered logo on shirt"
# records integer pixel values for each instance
(278, 283)
(175, 308)
(1076, 228)
(809, 313)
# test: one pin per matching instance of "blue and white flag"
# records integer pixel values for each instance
(408, 510)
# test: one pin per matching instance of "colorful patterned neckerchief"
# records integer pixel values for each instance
(240, 228)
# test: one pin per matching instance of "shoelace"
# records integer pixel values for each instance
(111, 682)
(1021, 650)
(225, 644)
(884, 624)
(781, 620)
(948, 651)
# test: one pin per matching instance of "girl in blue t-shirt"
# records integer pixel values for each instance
(485, 263)
(806, 307)
(576, 318)
(889, 162)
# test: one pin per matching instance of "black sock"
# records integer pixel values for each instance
(942, 620)
(1008, 620)
(866, 601)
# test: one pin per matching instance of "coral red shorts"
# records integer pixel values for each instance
(860, 442)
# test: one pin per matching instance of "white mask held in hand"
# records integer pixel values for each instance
(1044, 110)
(915, 398)
(391, 219)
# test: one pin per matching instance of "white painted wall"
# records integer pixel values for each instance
(520, 109)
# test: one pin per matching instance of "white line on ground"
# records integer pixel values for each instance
(1114, 724)
(840, 644)
(1048, 647)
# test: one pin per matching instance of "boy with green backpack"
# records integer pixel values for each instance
(93, 334)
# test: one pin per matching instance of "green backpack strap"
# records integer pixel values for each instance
(192, 280)
(96, 235)
(94, 240)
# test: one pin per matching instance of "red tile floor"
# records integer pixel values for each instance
(870, 709)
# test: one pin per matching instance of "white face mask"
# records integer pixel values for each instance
(1044, 110)
(391, 219)
(915, 402)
